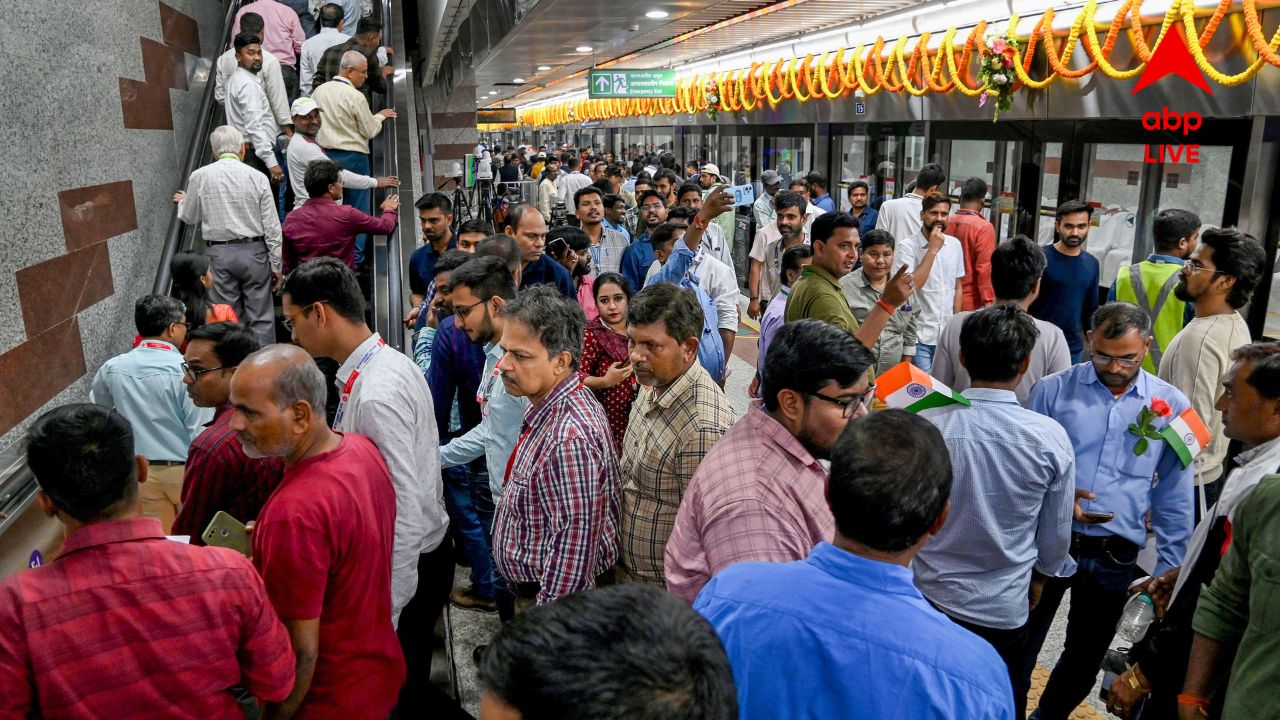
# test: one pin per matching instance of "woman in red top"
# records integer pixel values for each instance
(192, 276)
(605, 367)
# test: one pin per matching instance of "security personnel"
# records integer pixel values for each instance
(1149, 284)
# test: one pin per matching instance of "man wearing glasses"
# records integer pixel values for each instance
(219, 475)
(760, 493)
(145, 386)
(637, 258)
(1011, 494)
(1117, 488)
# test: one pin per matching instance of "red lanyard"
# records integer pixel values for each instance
(158, 346)
(351, 381)
(511, 461)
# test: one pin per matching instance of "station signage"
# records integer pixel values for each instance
(605, 84)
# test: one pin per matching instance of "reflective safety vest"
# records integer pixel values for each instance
(1149, 285)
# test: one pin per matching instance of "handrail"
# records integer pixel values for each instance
(195, 151)
(393, 330)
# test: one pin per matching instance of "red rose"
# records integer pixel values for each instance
(1161, 408)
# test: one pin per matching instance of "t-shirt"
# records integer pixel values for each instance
(1050, 355)
(1068, 294)
(323, 546)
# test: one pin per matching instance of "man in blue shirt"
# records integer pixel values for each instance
(1011, 500)
(526, 225)
(435, 212)
(637, 258)
(818, 188)
(1116, 489)
(1069, 287)
(845, 633)
(859, 191)
(145, 386)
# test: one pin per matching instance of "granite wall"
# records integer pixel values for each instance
(98, 122)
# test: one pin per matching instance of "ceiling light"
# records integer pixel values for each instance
(656, 14)
(493, 92)
(543, 68)
(584, 48)
(518, 80)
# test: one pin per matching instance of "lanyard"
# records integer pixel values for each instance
(351, 381)
(511, 461)
(158, 346)
(484, 390)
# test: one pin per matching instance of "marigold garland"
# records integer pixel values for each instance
(919, 71)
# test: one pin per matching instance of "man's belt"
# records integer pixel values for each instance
(236, 241)
(1095, 545)
(166, 463)
(530, 590)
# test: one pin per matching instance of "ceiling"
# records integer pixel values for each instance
(550, 32)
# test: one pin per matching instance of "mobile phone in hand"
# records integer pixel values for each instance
(225, 531)
(1098, 517)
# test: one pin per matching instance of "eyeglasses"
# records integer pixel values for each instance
(651, 207)
(1193, 267)
(461, 312)
(1101, 360)
(849, 406)
(195, 374)
(289, 319)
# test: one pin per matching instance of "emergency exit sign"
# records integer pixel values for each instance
(631, 84)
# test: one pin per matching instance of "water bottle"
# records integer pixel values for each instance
(1136, 618)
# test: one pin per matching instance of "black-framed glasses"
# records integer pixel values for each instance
(461, 312)
(195, 374)
(1101, 360)
(1194, 266)
(850, 406)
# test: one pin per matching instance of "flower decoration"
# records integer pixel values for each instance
(712, 91)
(996, 71)
(1143, 428)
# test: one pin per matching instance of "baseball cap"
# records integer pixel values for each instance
(303, 106)
(770, 177)
(710, 169)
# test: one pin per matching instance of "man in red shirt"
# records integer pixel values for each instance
(323, 540)
(218, 474)
(125, 623)
(978, 239)
(322, 227)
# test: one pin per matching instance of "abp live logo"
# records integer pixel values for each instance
(1171, 57)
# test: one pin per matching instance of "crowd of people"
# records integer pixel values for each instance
(561, 427)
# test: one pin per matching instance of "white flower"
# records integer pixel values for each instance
(999, 79)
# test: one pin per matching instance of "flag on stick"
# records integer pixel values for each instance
(1187, 435)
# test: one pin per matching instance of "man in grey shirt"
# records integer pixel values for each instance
(1016, 267)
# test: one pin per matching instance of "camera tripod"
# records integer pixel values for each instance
(461, 205)
(483, 196)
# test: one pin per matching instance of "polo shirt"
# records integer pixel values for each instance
(817, 296)
(323, 546)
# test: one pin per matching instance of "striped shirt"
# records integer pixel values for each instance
(231, 200)
(127, 624)
(557, 521)
(759, 495)
(669, 434)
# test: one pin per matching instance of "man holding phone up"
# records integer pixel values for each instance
(1116, 488)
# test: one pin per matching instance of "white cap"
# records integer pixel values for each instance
(303, 106)
(710, 169)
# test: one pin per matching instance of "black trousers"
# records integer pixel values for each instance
(421, 698)
(1012, 647)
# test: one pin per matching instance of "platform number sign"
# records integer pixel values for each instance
(631, 84)
(860, 108)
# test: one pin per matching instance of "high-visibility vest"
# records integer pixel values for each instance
(1149, 285)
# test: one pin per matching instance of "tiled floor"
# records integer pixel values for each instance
(469, 628)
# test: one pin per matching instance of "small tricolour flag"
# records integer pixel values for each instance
(1187, 435)
(907, 387)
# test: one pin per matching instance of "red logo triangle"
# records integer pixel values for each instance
(1172, 57)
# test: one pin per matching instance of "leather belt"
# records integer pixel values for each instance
(235, 241)
(1095, 545)
(530, 590)
(166, 463)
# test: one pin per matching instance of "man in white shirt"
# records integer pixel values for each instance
(248, 110)
(330, 21)
(936, 262)
(237, 214)
(714, 277)
(901, 216)
(763, 209)
(269, 77)
(548, 193)
(348, 126)
(572, 180)
(303, 150)
(788, 228)
(713, 239)
(384, 396)
(800, 186)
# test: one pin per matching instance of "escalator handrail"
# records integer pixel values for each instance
(395, 299)
(195, 153)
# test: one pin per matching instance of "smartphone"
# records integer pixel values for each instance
(225, 531)
(1098, 517)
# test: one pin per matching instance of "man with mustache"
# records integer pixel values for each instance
(1119, 483)
(607, 245)
(1069, 288)
(771, 241)
(639, 256)
(936, 261)
(248, 109)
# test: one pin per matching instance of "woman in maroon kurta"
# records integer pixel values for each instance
(605, 367)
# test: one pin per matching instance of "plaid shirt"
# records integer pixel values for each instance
(557, 521)
(127, 624)
(759, 496)
(668, 435)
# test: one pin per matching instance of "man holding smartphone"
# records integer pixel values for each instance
(1118, 484)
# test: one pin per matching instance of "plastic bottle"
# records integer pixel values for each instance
(1136, 618)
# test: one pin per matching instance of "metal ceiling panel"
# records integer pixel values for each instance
(550, 32)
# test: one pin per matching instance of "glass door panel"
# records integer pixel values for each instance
(1113, 184)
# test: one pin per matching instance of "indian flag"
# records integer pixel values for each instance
(1187, 435)
(909, 388)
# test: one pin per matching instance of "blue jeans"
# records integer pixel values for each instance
(923, 358)
(1099, 590)
(359, 199)
(469, 518)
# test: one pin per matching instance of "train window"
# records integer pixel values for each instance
(1051, 170)
(913, 158)
(970, 158)
(1116, 201)
(1200, 188)
(737, 158)
(853, 164)
(663, 139)
(790, 156)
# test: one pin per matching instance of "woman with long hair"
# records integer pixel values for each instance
(605, 366)
(192, 277)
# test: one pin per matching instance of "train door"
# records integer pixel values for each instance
(788, 150)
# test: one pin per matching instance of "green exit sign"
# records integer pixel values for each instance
(631, 84)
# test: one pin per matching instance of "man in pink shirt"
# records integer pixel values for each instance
(282, 37)
(323, 228)
(760, 494)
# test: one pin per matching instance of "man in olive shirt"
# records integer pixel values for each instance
(817, 295)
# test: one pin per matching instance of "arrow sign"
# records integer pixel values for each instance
(602, 84)
(631, 84)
